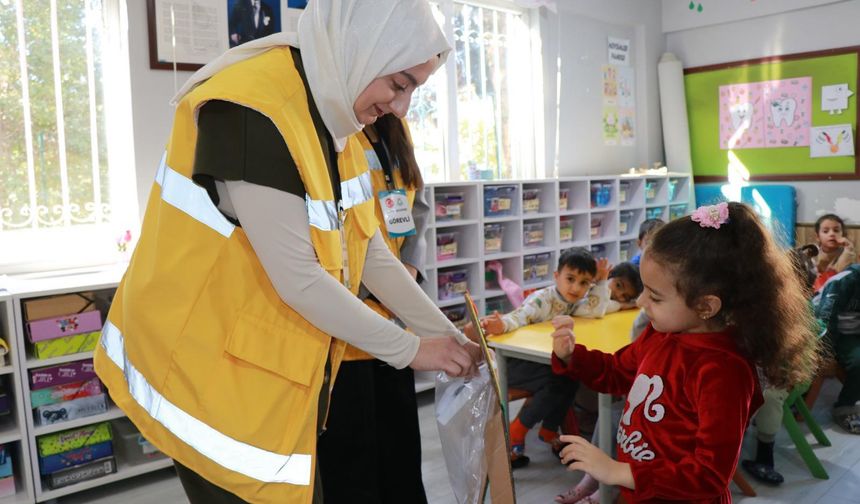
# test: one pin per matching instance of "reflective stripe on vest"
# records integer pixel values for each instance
(250, 461)
(322, 214)
(181, 192)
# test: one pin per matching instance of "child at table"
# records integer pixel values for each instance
(835, 251)
(551, 395)
(690, 378)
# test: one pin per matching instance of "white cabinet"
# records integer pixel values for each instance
(98, 287)
(525, 225)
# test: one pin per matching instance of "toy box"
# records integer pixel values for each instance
(531, 200)
(565, 229)
(65, 392)
(452, 283)
(64, 325)
(70, 372)
(85, 342)
(82, 455)
(446, 246)
(498, 200)
(71, 439)
(449, 206)
(70, 410)
(493, 234)
(84, 472)
(533, 234)
(563, 198)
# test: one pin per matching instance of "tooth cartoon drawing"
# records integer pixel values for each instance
(834, 99)
(782, 111)
(741, 115)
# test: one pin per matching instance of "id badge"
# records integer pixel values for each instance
(396, 212)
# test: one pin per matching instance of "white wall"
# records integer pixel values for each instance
(823, 27)
(151, 91)
(584, 26)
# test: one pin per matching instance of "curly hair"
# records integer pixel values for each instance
(762, 297)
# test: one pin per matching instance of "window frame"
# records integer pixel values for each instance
(32, 248)
(529, 162)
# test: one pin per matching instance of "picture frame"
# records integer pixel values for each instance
(187, 34)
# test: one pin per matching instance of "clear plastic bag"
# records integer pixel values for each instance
(463, 406)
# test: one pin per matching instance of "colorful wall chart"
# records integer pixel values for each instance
(760, 114)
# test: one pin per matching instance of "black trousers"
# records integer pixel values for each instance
(370, 452)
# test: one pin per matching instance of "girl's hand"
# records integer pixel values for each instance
(493, 324)
(603, 268)
(471, 333)
(846, 243)
(560, 321)
(563, 342)
(580, 455)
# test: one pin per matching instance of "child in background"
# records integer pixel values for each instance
(552, 395)
(839, 311)
(835, 252)
(690, 378)
(647, 228)
(768, 418)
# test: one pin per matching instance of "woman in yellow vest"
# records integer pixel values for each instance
(374, 411)
(228, 328)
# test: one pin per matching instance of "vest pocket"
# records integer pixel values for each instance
(286, 349)
(365, 218)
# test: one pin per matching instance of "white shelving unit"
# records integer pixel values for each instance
(12, 427)
(618, 204)
(102, 284)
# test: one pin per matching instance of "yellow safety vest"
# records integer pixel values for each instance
(198, 349)
(377, 176)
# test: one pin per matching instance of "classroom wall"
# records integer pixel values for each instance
(151, 91)
(822, 27)
(584, 26)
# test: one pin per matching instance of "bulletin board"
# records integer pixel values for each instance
(709, 92)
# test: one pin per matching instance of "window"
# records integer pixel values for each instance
(474, 118)
(66, 158)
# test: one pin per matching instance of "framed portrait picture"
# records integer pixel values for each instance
(187, 34)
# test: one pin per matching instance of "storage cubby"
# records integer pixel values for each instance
(457, 244)
(565, 213)
(455, 204)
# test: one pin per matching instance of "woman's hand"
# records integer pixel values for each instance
(446, 354)
(580, 455)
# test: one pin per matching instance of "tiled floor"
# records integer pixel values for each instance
(545, 477)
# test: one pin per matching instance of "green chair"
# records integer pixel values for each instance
(795, 399)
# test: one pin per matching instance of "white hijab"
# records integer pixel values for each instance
(346, 44)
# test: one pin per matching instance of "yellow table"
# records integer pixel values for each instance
(534, 343)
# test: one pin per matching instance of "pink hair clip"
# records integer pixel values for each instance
(712, 215)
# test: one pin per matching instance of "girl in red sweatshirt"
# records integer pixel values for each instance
(690, 378)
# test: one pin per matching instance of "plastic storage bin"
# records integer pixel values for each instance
(598, 250)
(676, 211)
(449, 206)
(623, 191)
(596, 226)
(498, 200)
(452, 283)
(565, 229)
(131, 445)
(601, 194)
(650, 190)
(563, 198)
(446, 246)
(537, 268)
(673, 186)
(533, 234)
(498, 304)
(531, 200)
(625, 251)
(625, 222)
(654, 213)
(493, 234)
(457, 315)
